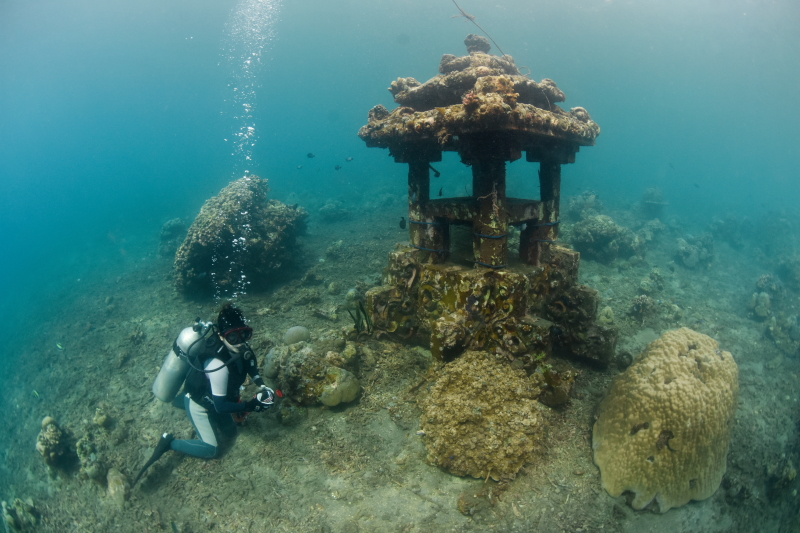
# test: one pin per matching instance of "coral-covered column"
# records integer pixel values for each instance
(490, 224)
(537, 236)
(425, 232)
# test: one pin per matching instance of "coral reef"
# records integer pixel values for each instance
(652, 203)
(598, 237)
(307, 378)
(340, 386)
(731, 229)
(296, 334)
(780, 475)
(663, 429)
(333, 211)
(586, 205)
(789, 270)
(92, 465)
(481, 418)
(51, 443)
(239, 239)
(656, 278)
(785, 333)
(760, 304)
(21, 516)
(694, 252)
(173, 232)
(606, 316)
(557, 386)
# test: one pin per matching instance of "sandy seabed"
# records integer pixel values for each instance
(361, 467)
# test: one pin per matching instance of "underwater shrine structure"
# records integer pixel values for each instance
(481, 107)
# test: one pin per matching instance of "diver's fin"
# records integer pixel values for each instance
(161, 448)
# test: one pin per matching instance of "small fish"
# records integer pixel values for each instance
(696, 185)
(299, 166)
(440, 191)
(59, 346)
(35, 393)
(337, 167)
(420, 433)
(402, 222)
(309, 155)
(349, 159)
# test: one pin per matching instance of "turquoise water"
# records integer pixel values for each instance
(118, 116)
(115, 114)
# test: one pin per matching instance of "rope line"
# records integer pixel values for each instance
(429, 249)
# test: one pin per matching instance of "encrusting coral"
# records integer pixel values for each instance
(481, 418)
(663, 429)
(469, 94)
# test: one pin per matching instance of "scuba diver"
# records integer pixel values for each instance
(211, 362)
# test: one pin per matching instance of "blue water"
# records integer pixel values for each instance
(118, 116)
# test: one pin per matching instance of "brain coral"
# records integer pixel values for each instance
(663, 430)
(481, 417)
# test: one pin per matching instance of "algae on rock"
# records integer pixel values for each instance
(481, 418)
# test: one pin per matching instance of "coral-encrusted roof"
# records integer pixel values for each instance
(477, 94)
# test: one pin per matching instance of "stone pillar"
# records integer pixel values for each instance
(490, 224)
(537, 236)
(427, 234)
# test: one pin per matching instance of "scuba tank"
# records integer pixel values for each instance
(176, 365)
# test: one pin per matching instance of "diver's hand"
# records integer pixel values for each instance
(266, 395)
(261, 401)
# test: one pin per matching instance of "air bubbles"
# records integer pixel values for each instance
(250, 29)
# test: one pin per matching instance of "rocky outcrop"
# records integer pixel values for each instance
(238, 241)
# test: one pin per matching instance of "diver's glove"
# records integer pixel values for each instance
(262, 401)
